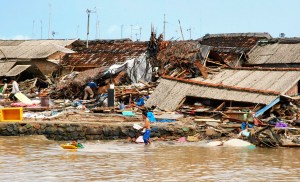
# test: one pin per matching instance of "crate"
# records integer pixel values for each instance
(13, 114)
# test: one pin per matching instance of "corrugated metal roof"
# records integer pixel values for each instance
(17, 70)
(33, 48)
(278, 80)
(275, 54)
(105, 53)
(169, 93)
(5, 67)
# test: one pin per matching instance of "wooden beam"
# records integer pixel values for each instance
(220, 106)
(180, 104)
(201, 68)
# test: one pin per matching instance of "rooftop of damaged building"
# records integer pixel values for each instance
(231, 45)
(33, 49)
(179, 57)
(275, 51)
(104, 53)
(182, 51)
(249, 85)
(233, 40)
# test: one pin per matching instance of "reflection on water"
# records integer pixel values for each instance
(36, 158)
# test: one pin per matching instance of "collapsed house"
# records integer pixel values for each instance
(244, 85)
(119, 55)
(186, 59)
(283, 52)
(233, 47)
(32, 58)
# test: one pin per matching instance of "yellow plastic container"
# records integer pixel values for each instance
(13, 114)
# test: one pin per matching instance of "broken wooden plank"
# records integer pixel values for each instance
(201, 69)
(221, 106)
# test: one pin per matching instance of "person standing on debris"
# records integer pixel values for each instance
(88, 90)
(146, 136)
(15, 89)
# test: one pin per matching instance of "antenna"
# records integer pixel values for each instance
(53, 33)
(88, 26)
(190, 30)
(49, 26)
(181, 30)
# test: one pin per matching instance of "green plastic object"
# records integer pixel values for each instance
(79, 145)
(128, 113)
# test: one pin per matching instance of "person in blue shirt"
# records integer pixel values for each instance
(88, 90)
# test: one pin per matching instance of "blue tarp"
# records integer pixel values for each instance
(264, 109)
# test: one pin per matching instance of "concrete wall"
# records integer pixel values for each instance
(74, 131)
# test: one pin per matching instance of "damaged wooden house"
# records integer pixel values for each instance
(187, 59)
(105, 61)
(233, 47)
(279, 53)
(28, 59)
(257, 89)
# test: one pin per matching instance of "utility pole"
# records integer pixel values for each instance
(41, 29)
(33, 22)
(49, 25)
(122, 31)
(181, 30)
(190, 30)
(88, 26)
(140, 33)
(131, 32)
(97, 25)
(164, 26)
(77, 31)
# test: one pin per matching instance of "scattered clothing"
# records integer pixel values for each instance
(281, 124)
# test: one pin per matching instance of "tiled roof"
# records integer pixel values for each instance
(231, 45)
(105, 53)
(282, 52)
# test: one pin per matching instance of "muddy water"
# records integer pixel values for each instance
(38, 159)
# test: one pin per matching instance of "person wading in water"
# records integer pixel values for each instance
(146, 136)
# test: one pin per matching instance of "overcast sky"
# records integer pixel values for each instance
(26, 19)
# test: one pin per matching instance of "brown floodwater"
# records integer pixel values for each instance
(35, 158)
